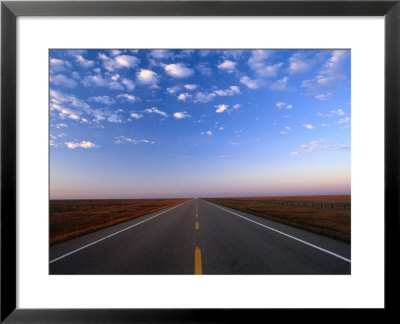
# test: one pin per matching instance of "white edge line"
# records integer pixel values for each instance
(290, 236)
(120, 231)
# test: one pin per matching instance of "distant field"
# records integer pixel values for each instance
(327, 215)
(71, 218)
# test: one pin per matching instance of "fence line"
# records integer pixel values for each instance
(315, 204)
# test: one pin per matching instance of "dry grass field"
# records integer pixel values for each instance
(71, 218)
(327, 215)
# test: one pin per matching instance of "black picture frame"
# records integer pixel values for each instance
(10, 10)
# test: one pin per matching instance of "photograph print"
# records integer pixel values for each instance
(200, 161)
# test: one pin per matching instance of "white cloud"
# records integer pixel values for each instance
(74, 116)
(84, 62)
(252, 84)
(114, 118)
(204, 97)
(115, 52)
(237, 106)
(136, 115)
(344, 120)
(147, 77)
(119, 62)
(288, 128)
(103, 99)
(62, 80)
(178, 70)
(62, 104)
(83, 144)
(96, 80)
(257, 58)
(129, 84)
(280, 104)
(184, 96)
(103, 56)
(228, 66)
(173, 90)
(333, 113)
(258, 63)
(57, 65)
(115, 85)
(279, 84)
(160, 54)
(124, 139)
(339, 112)
(59, 125)
(221, 108)
(323, 96)
(228, 92)
(127, 97)
(308, 126)
(330, 75)
(207, 133)
(57, 97)
(190, 86)
(181, 115)
(337, 57)
(269, 70)
(155, 110)
(298, 63)
(316, 146)
(75, 52)
(115, 77)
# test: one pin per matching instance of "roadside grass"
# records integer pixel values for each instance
(72, 218)
(332, 222)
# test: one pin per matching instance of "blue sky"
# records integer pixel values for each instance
(199, 123)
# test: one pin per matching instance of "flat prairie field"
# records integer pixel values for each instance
(326, 215)
(71, 218)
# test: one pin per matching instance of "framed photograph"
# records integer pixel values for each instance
(187, 160)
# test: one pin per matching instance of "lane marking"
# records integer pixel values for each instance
(113, 234)
(287, 235)
(198, 270)
(197, 225)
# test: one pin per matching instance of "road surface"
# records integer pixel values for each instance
(198, 237)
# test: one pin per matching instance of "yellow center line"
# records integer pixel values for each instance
(197, 262)
(197, 225)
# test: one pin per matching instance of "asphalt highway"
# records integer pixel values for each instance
(198, 237)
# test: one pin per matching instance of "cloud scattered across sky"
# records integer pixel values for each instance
(83, 144)
(209, 104)
(318, 146)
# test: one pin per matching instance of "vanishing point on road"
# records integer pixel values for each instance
(198, 237)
